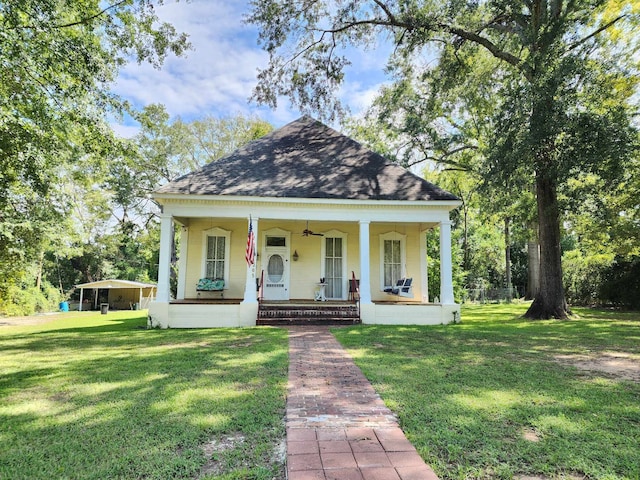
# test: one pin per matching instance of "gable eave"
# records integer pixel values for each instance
(198, 199)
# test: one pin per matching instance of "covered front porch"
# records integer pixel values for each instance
(307, 258)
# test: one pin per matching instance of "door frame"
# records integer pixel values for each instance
(323, 253)
(286, 254)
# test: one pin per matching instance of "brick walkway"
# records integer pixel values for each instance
(338, 428)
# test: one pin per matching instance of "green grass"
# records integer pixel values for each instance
(488, 399)
(97, 396)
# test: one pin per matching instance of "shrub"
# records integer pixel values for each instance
(583, 276)
(21, 300)
(620, 283)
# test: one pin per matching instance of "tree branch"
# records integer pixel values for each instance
(77, 22)
(594, 33)
(459, 32)
(386, 10)
(493, 49)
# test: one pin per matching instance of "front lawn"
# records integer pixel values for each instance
(501, 397)
(90, 396)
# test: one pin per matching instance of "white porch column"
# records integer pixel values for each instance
(164, 263)
(446, 273)
(81, 294)
(424, 267)
(182, 263)
(365, 275)
(250, 293)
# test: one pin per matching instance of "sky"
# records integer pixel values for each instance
(218, 75)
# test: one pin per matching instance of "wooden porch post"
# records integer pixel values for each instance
(164, 262)
(80, 306)
(182, 263)
(424, 267)
(365, 280)
(446, 271)
(250, 293)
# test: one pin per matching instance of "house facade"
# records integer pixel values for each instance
(322, 210)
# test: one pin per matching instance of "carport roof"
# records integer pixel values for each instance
(115, 284)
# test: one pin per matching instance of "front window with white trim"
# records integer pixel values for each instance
(216, 243)
(392, 258)
(216, 247)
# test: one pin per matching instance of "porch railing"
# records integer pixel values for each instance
(260, 284)
(354, 291)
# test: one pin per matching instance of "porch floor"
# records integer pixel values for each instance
(206, 301)
(293, 302)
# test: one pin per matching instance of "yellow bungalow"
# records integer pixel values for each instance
(323, 210)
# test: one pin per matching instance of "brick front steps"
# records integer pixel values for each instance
(317, 313)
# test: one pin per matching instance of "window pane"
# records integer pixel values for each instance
(220, 248)
(338, 247)
(396, 272)
(329, 268)
(388, 275)
(396, 251)
(276, 242)
(275, 268)
(387, 251)
(329, 244)
(210, 247)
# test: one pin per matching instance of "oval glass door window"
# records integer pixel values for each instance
(275, 268)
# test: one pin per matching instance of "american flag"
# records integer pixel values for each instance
(251, 247)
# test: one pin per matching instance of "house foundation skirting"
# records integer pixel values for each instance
(168, 315)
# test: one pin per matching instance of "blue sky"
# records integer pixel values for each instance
(218, 75)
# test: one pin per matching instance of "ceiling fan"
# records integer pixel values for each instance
(306, 232)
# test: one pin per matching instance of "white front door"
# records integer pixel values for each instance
(276, 267)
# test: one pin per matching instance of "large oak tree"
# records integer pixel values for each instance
(545, 52)
(58, 60)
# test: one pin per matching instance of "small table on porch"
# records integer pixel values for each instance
(320, 295)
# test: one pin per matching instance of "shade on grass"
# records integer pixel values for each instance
(90, 396)
(489, 399)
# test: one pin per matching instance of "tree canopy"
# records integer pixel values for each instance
(554, 99)
(57, 62)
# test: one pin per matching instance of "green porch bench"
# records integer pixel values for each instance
(214, 285)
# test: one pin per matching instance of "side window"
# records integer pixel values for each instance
(392, 259)
(216, 243)
(215, 262)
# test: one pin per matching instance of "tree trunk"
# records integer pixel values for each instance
(550, 300)
(507, 257)
(467, 254)
(40, 268)
(533, 252)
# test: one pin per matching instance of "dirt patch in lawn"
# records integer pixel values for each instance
(616, 365)
(29, 320)
(215, 449)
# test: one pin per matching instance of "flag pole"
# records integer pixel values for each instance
(250, 295)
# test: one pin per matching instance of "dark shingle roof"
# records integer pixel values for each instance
(306, 159)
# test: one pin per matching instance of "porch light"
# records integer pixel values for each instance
(295, 255)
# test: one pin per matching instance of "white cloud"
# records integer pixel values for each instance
(217, 77)
(125, 131)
